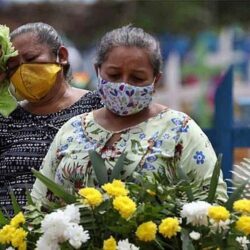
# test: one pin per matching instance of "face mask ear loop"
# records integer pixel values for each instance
(153, 84)
(57, 57)
(98, 74)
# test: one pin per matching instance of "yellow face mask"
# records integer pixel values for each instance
(33, 81)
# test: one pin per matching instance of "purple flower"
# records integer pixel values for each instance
(115, 92)
(70, 139)
(122, 87)
(76, 123)
(158, 143)
(199, 157)
(184, 129)
(64, 147)
(148, 166)
(130, 104)
(130, 93)
(177, 121)
(145, 91)
(142, 136)
(103, 81)
(151, 158)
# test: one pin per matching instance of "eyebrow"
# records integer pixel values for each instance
(135, 70)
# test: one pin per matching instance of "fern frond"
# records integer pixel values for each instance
(241, 174)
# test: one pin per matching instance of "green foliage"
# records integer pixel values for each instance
(55, 188)
(98, 167)
(158, 196)
(7, 102)
(214, 181)
(15, 204)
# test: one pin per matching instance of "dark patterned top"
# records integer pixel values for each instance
(24, 141)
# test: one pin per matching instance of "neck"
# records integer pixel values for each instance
(114, 122)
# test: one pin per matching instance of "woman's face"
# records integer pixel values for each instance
(29, 51)
(128, 64)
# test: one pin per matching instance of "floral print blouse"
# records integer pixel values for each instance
(148, 145)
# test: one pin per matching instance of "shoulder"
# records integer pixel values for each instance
(91, 95)
(182, 124)
(91, 99)
(74, 122)
(174, 118)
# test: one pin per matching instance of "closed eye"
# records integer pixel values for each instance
(30, 59)
(114, 77)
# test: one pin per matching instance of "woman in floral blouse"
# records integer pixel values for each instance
(128, 66)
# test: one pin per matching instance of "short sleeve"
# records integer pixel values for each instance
(199, 156)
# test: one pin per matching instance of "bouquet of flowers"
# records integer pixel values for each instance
(7, 102)
(166, 210)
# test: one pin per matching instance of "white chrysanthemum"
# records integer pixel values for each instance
(243, 242)
(54, 225)
(45, 242)
(76, 235)
(125, 245)
(10, 248)
(219, 226)
(72, 212)
(195, 235)
(196, 212)
(61, 226)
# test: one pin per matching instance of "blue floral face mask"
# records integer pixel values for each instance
(124, 99)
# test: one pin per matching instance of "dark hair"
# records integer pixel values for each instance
(46, 34)
(130, 36)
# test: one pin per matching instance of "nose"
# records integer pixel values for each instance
(124, 78)
(21, 60)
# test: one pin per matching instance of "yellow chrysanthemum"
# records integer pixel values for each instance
(169, 227)
(17, 220)
(116, 188)
(92, 196)
(109, 244)
(146, 231)
(242, 206)
(218, 213)
(125, 206)
(18, 238)
(23, 246)
(6, 234)
(243, 224)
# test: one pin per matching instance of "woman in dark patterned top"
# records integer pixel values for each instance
(40, 75)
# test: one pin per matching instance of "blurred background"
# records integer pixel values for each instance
(199, 40)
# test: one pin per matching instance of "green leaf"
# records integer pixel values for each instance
(3, 219)
(6, 48)
(116, 173)
(159, 245)
(15, 204)
(214, 180)
(235, 195)
(28, 197)
(8, 103)
(183, 176)
(186, 242)
(55, 188)
(99, 167)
